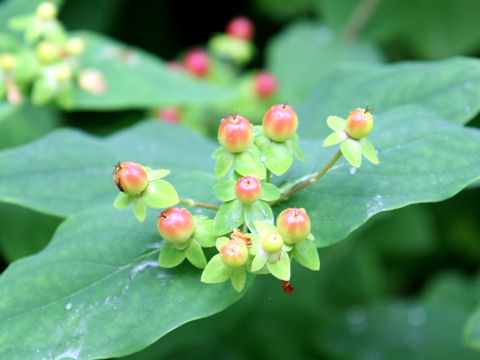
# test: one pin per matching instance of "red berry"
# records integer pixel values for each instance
(359, 123)
(234, 253)
(235, 133)
(272, 242)
(241, 27)
(130, 177)
(280, 123)
(197, 62)
(175, 225)
(265, 84)
(248, 189)
(169, 114)
(294, 225)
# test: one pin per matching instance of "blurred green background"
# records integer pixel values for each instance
(401, 287)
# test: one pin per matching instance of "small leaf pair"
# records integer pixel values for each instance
(352, 148)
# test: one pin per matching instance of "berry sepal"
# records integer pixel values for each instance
(230, 263)
(352, 148)
(278, 156)
(245, 201)
(245, 163)
(151, 191)
(173, 254)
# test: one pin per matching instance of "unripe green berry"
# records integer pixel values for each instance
(359, 123)
(130, 177)
(92, 80)
(234, 253)
(47, 52)
(63, 72)
(46, 10)
(7, 62)
(175, 225)
(280, 123)
(294, 225)
(235, 133)
(75, 46)
(272, 242)
(248, 189)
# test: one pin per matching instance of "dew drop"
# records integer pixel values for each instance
(352, 170)
(68, 306)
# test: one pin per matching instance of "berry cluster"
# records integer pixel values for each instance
(48, 61)
(244, 231)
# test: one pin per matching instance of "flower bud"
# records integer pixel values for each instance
(46, 10)
(75, 46)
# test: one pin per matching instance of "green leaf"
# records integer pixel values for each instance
(471, 333)
(306, 254)
(248, 163)
(195, 255)
(205, 233)
(320, 51)
(109, 290)
(160, 194)
(334, 138)
(259, 261)
(229, 217)
(139, 208)
(449, 88)
(280, 269)
(368, 150)
(264, 227)
(278, 157)
(225, 190)
(157, 174)
(423, 34)
(224, 164)
(136, 79)
(81, 166)
(352, 151)
(42, 92)
(122, 200)
(336, 123)
(269, 192)
(220, 241)
(238, 278)
(295, 149)
(170, 256)
(258, 211)
(216, 271)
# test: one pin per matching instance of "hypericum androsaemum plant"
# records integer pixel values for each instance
(244, 229)
(48, 61)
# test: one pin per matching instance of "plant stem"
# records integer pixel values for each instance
(359, 19)
(190, 202)
(269, 175)
(310, 181)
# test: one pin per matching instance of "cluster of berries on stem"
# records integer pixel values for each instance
(244, 231)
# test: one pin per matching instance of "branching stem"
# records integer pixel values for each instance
(190, 202)
(359, 19)
(310, 181)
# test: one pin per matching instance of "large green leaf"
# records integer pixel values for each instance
(68, 171)
(423, 158)
(305, 52)
(96, 291)
(136, 79)
(420, 24)
(450, 88)
(19, 125)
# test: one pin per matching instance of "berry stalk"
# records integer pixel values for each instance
(191, 202)
(311, 181)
